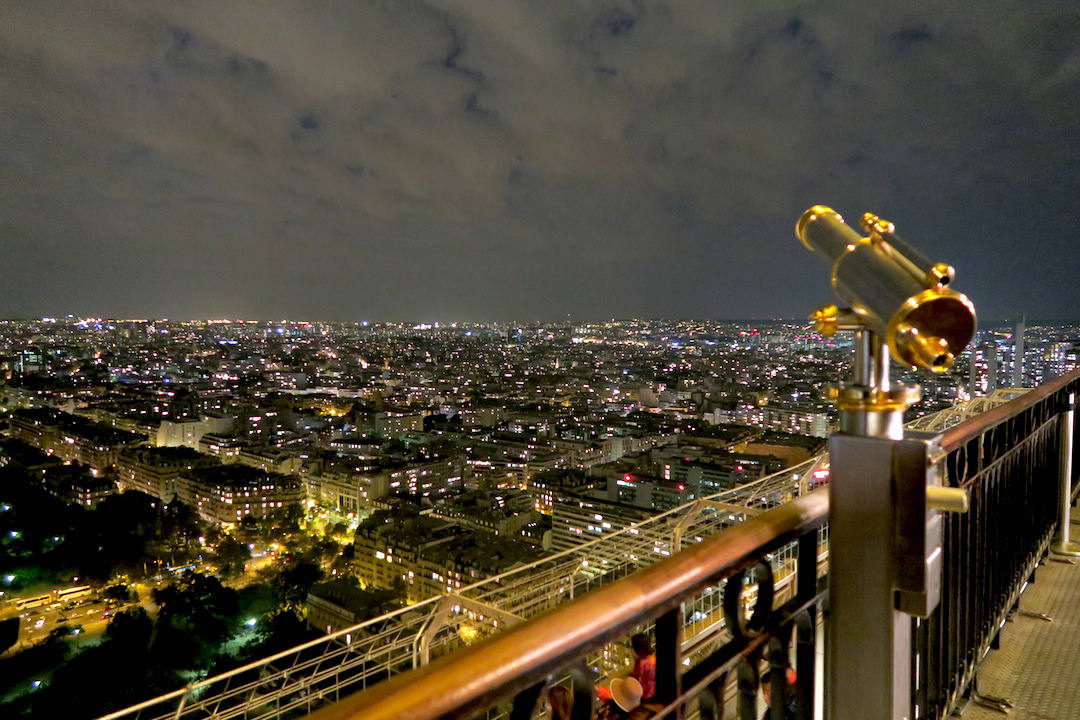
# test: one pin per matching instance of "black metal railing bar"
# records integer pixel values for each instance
(1008, 460)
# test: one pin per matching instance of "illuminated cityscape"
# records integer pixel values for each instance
(310, 476)
(539, 361)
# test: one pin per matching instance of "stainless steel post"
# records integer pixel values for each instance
(862, 364)
(870, 406)
(868, 642)
(1065, 442)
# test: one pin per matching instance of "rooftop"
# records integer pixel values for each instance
(164, 456)
(77, 426)
(236, 476)
(20, 453)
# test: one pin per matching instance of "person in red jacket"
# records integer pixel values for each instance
(644, 665)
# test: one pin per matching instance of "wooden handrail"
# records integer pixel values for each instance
(959, 435)
(467, 680)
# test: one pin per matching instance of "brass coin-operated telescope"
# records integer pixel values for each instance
(886, 491)
(900, 303)
(893, 288)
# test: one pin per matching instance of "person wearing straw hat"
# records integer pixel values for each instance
(625, 697)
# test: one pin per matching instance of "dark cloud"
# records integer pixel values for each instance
(514, 159)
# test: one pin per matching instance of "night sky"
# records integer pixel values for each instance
(496, 160)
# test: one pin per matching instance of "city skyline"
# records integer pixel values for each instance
(1000, 325)
(429, 323)
(639, 159)
(622, 358)
(179, 498)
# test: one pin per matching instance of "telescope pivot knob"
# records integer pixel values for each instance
(825, 319)
(947, 499)
(877, 227)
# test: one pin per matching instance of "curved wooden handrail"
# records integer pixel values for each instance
(959, 435)
(510, 661)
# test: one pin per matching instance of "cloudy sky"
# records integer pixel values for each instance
(504, 159)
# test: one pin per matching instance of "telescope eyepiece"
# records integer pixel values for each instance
(810, 216)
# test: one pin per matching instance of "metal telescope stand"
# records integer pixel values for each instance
(885, 492)
(884, 537)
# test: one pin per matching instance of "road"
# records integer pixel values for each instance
(92, 615)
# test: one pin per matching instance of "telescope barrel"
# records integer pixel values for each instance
(895, 290)
(923, 264)
(823, 230)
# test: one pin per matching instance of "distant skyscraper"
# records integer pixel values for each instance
(973, 374)
(991, 368)
(1018, 354)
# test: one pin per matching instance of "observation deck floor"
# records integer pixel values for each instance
(1038, 665)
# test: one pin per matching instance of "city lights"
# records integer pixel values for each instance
(360, 470)
(343, 341)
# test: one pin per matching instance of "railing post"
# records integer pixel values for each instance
(868, 641)
(583, 690)
(524, 705)
(806, 627)
(668, 654)
(1066, 421)
(684, 522)
(747, 683)
(422, 644)
(711, 702)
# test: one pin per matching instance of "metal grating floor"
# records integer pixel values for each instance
(1038, 665)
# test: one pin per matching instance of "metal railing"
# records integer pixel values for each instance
(521, 660)
(1010, 461)
(325, 670)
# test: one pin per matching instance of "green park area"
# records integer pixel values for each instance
(189, 600)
